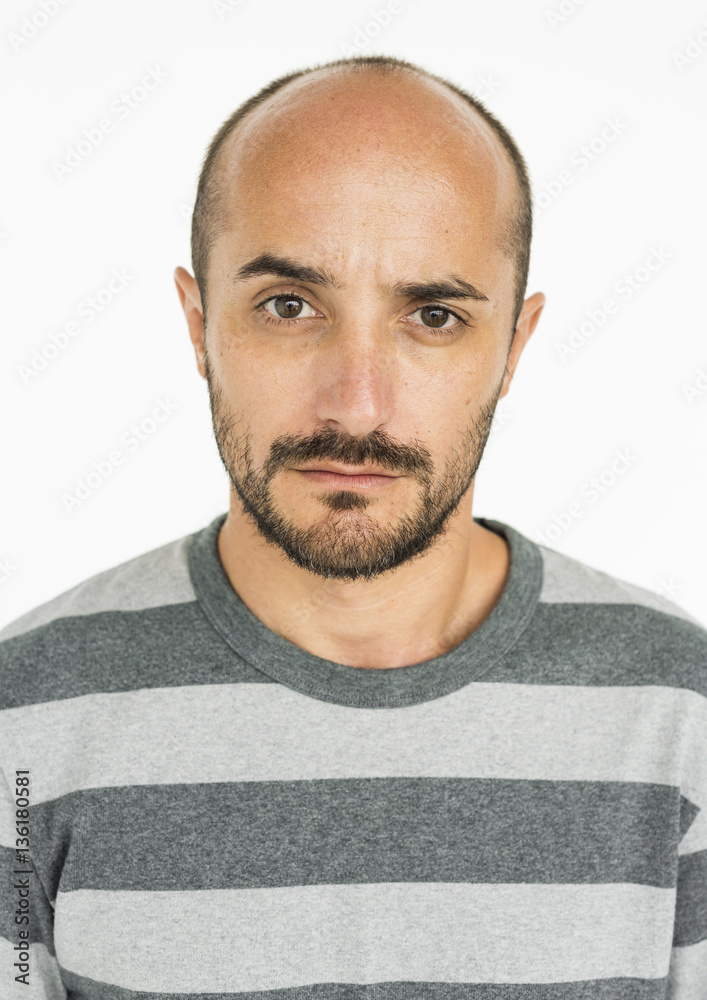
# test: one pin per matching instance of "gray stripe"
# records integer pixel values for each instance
(118, 651)
(41, 914)
(369, 830)
(578, 645)
(150, 580)
(595, 989)
(691, 915)
(165, 855)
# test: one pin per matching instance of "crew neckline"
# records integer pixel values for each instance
(365, 687)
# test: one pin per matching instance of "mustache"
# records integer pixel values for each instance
(376, 448)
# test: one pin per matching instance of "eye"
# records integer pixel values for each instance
(437, 317)
(288, 306)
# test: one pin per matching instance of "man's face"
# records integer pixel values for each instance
(378, 190)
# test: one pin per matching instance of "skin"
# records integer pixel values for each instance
(376, 181)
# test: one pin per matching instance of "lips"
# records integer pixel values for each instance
(349, 470)
(338, 480)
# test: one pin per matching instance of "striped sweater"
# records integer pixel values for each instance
(212, 811)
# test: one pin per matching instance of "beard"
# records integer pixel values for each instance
(348, 543)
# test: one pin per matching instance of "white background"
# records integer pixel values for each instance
(555, 82)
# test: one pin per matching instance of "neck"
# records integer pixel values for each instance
(413, 613)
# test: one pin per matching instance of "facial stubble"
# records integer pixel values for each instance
(348, 542)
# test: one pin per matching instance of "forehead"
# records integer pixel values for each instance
(357, 164)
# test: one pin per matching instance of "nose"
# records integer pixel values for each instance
(355, 376)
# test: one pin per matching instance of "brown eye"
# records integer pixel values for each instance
(434, 315)
(288, 306)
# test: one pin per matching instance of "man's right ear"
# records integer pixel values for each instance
(190, 298)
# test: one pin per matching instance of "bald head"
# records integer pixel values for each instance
(378, 119)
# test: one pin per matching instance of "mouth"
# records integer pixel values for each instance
(348, 477)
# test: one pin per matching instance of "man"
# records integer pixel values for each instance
(348, 740)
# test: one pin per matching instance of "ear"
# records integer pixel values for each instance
(527, 321)
(190, 299)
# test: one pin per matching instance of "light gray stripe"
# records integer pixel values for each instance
(44, 977)
(567, 580)
(150, 580)
(166, 941)
(493, 730)
(687, 979)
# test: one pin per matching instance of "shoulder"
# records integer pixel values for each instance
(153, 579)
(604, 630)
(567, 580)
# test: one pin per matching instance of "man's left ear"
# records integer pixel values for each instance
(527, 321)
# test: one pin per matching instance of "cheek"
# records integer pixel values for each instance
(267, 403)
(450, 395)
(479, 377)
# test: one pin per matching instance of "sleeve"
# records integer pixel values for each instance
(687, 977)
(28, 964)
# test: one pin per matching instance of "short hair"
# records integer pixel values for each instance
(208, 219)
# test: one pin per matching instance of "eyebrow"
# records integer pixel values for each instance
(447, 288)
(450, 287)
(284, 267)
